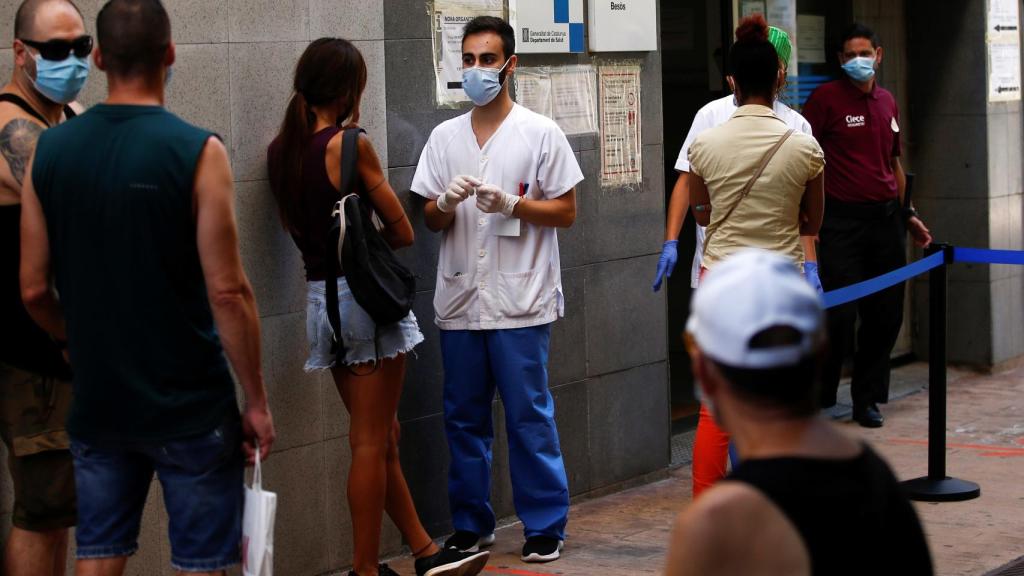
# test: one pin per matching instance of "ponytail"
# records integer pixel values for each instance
(285, 161)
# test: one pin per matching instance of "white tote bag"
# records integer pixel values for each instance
(258, 527)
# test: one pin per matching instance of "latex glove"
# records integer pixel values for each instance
(666, 264)
(460, 188)
(491, 199)
(811, 274)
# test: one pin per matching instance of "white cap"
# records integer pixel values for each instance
(750, 292)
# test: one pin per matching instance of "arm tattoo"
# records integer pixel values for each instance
(17, 141)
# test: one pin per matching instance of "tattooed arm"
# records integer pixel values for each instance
(17, 142)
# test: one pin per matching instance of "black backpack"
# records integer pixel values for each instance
(380, 284)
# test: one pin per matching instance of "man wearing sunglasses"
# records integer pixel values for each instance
(51, 52)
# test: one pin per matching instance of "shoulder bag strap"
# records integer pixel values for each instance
(349, 159)
(750, 184)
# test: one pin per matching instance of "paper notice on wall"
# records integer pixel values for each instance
(533, 90)
(782, 14)
(1002, 41)
(566, 94)
(751, 7)
(1004, 72)
(574, 99)
(450, 17)
(811, 38)
(1003, 16)
(619, 93)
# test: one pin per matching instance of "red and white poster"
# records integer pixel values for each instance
(621, 144)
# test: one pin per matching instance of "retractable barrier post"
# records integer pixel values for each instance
(936, 486)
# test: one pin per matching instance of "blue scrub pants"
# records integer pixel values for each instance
(514, 360)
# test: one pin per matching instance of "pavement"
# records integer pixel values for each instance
(627, 533)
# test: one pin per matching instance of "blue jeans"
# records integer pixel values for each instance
(514, 361)
(202, 480)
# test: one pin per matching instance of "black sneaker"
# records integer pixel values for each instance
(451, 562)
(467, 541)
(541, 549)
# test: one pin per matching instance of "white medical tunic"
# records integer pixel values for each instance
(716, 113)
(486, 281)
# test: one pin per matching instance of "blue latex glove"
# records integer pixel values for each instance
(811, 273)
(666, 264)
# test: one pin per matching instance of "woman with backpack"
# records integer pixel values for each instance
(368, 361)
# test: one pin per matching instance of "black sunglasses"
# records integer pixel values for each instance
(60, 49)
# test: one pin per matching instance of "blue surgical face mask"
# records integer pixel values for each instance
(482, 85)
(60, 81)
(861, 68)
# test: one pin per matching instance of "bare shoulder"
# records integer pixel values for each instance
(214, 150)
(734, 529)
(367, 153)
(213, 170)
(19, 134)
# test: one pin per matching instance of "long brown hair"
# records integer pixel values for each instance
(330, 71)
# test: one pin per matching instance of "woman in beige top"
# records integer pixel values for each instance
(784, 201)
(787, 199)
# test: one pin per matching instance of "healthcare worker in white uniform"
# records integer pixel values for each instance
(713, 114)
(498, 181)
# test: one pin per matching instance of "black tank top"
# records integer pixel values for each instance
(316, 203)
(23, 344)
(851, 514)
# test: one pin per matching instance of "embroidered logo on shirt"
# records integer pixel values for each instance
(854, 121)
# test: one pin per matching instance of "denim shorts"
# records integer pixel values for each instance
(357, 331)
(202, 479)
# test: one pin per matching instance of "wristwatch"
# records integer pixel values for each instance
(909, 213)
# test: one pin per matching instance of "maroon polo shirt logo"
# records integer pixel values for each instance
(859, 133)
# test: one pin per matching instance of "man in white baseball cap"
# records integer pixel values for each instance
(806, 497)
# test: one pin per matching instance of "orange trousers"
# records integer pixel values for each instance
(710, 452)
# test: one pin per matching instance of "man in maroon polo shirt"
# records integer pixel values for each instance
(864, 231)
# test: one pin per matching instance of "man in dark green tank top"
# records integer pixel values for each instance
(128, 216)
(806, 498)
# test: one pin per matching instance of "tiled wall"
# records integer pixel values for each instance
(608, 356)
(969, 157)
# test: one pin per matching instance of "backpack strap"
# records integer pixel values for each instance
(746, 189)
(349, 160)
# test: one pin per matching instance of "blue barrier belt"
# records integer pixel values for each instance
(983, 256)
(879, 283)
